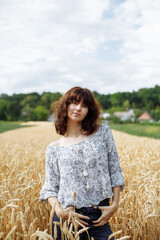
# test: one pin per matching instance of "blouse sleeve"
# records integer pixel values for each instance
(51, 185)
(115, 171)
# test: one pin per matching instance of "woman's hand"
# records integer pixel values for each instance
(70, 211)
(107, 212)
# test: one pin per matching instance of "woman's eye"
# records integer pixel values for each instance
(74, 102)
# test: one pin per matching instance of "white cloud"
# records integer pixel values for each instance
(72, 78)
(53, 45)
(141, 45)
(90, 44)
(89, 12)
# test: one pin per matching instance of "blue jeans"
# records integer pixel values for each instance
(98, 233)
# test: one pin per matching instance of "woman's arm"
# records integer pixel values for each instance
(115, 198)
(52, 179)
(115, 171)
(53, 201)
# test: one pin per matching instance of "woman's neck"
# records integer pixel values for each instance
(74, 129)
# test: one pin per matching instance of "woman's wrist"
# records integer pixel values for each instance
(58, 210)
(115, 198)
(53, 201)
(114, 206)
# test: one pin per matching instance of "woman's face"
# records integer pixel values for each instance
(77, 111)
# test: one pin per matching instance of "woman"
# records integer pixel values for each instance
(84, 160)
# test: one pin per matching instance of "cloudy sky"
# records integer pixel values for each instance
(103, 45)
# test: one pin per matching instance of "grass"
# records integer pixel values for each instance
(145, 130)
(6, 126)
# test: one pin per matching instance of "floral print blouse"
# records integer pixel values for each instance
(90, 168)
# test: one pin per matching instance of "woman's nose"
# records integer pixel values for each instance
(78, 106)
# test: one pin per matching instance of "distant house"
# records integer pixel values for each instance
(50, 118)
(145, 117)
(105, 115)
(125, 115)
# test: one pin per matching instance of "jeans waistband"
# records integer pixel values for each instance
(104, 202)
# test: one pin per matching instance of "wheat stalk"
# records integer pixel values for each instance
(22, 174)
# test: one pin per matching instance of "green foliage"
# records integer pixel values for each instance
(31, 100)
(145, 98)
(55, 96)
(3, 105)
(126, 104)
(41, 113)
(104, 100)
(28, 114)
(156, 114)
(115, 109)
(48, 98)
(114, 119)
(12, 111)
(25, 106)
(138, 112)
(149, 97)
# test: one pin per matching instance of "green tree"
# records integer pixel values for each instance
(48, 98)
(126, 104)
(149, 98)
(156, 114)
(118, 98)
(23, 106)
(12, 111)
(104, 100)
(41, 113)
(31, 100)
(135, 100)
(55, 96)
(28, 114)
(138, 112)
(3, 107)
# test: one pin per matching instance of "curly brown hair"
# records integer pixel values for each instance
(78, 94)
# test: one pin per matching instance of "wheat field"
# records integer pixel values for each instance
(22, 161)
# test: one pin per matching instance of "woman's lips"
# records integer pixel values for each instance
(77, 114)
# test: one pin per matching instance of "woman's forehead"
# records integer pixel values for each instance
(80, 99)
(77, 98)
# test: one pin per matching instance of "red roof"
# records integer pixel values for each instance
(144, 116)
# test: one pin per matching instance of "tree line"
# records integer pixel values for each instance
(37, 107)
